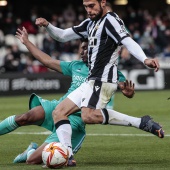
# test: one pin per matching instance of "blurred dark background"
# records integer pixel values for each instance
(148, 22)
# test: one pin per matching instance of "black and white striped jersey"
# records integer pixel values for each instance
(104, 44)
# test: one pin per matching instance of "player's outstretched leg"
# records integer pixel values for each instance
(23, 156)
(148, 125)
(145, 123)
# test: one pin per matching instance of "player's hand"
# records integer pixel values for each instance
(42, 22)
(152, 63)
(127, 88)
(22, 35)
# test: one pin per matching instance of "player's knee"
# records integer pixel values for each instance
(55, 114)
(58, 113)
(92, 116)
(86, 117)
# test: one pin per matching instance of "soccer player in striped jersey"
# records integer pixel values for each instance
(106, 35)
(40, 112)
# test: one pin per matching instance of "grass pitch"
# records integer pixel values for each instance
(105, 147)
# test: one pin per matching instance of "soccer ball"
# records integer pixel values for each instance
(55, 155)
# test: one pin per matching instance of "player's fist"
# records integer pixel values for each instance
(42, 22)
(152, 63)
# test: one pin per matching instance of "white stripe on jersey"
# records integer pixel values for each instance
(111, 35)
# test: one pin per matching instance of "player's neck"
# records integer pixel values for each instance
(105, 11)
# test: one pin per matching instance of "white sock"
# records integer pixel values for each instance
(30, 152)
(117, 118)
(64, 133)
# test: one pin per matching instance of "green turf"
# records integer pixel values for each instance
(105, 147)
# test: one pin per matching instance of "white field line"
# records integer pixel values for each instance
(88, 134)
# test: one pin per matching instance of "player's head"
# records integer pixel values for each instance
(84, 50)
(95, 8)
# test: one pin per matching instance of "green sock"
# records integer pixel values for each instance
(8, 125)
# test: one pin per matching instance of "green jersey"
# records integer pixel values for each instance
(77, 70)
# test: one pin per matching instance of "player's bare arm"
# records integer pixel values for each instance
(45, 59)
(127, 88)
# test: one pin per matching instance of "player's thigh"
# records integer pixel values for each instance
(36, 157)
(97, 94)
(31, 117)
(48, 107)
(76, 95)
(66, 107)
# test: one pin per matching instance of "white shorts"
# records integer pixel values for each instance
(93, 94)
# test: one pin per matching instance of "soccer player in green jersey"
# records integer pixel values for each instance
(40, 112)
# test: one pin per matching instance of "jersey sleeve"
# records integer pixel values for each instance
(66, 67)
(115, 28)
(121, 76)
(61, 35)
(81, 29)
